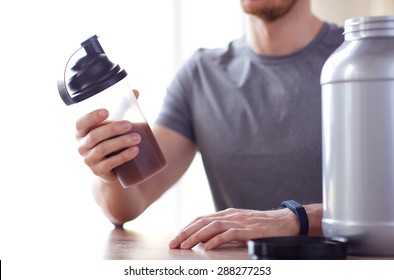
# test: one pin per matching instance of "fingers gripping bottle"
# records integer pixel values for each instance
(95, 82)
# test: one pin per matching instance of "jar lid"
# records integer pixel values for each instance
(298, 248)
(371, 26)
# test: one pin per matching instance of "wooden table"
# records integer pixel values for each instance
(125, 244)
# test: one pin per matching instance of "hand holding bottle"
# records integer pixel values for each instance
(99, 138)
(108, 141)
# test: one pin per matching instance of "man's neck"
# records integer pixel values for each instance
(285, 35)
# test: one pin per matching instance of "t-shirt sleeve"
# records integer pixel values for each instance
(176, 110)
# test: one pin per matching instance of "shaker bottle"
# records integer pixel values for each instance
(95, 82)
(358, 137)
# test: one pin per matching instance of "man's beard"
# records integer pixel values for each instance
(268, 10)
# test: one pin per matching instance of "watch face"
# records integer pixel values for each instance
(298, 248)
(292, 204)
(298, 207)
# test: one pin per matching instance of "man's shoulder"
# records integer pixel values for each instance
(334, 34)
(221, 54)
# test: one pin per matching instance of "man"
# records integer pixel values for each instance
(253, 111)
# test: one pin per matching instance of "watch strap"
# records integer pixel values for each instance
(301, 214)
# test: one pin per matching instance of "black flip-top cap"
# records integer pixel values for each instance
(298, 248)
(93, 73)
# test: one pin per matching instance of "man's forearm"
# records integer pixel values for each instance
(118, 204)
(314, 212)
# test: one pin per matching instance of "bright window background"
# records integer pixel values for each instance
(43, 179)
(44, 182)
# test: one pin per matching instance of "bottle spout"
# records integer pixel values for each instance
(92, 45)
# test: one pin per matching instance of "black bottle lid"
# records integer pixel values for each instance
(92, 73)
(298, 248)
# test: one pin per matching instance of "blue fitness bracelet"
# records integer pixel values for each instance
(300, 212)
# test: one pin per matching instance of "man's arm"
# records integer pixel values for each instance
(241, 225)
(98, 139)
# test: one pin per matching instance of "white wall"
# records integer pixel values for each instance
(43, 180)
(338, 11)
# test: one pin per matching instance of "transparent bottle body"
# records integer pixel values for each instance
(122, 104)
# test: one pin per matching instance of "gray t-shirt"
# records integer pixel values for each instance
(256, 120)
